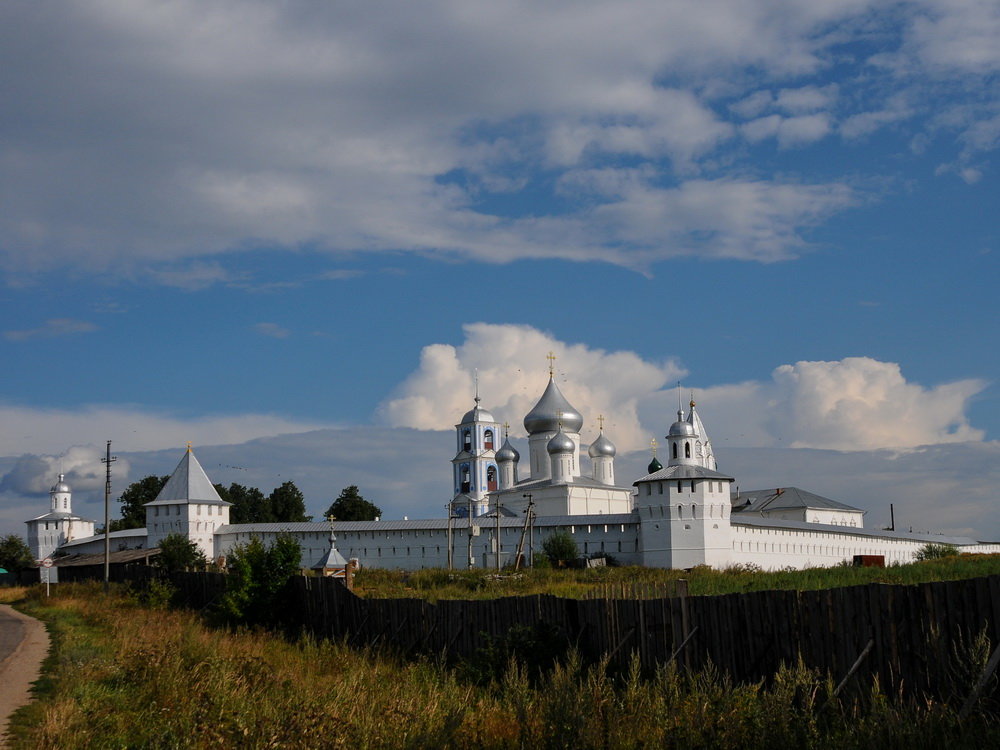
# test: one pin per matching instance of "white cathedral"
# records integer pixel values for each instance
(680, 515)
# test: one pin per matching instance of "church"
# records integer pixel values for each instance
(680, 515)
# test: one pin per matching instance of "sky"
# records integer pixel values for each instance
(294, 233)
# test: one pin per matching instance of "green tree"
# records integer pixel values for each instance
(177, 552)
(132, 500)
(249, 505)
(259, 576)
(287, 504)
(560, 548)
(15, 555)
(350, 506)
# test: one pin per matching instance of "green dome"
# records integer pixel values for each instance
(654, 465)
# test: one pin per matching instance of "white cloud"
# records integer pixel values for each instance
(855, 404)
(51, 328)
(272, 330)
(956, 35)
(35, 474)
(789, 131)
(807, 99)
(511, 362)
(28, 430)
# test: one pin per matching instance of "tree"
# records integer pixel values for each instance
(560, 548)
(287, 504)
(133, 498)
(15, 555)
(350, 506)
(259, 575)
(177, 552)
(249, 505)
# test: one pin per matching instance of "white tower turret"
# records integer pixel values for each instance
(507, 458)
(561, 450)
(475, 470)
(602, 454)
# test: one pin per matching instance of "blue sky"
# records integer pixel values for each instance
(238, 223)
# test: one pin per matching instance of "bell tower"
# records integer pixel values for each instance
(475, 468)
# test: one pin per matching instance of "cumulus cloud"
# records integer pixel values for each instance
(512, 370)
(35, 474)
(855, 404)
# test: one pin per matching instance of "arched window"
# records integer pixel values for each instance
(488, 440)
(675, 450)
(687, 450)
(467, 440)
(491, 478)
(466, 478)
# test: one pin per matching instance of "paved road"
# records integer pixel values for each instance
(23, 646)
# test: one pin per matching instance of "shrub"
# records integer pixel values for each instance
(177, 552)
(560, 548)
(258, 576)
(933, 551)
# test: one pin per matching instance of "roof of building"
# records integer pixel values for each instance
(580, 481)
(415, 525)
(188, 484)
(59, 515)
(786, 498)
(330, 559)
(682, 471)
(906, 536)
(551, 411)
(119, 556)
(119, 535)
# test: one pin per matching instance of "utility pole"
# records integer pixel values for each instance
(451, 544)
(498, 536)
(530, 521)
(472, 560)
(108, 460)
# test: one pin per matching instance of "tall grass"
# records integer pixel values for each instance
(127, 675)
(436, 583)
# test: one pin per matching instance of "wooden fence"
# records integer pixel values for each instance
(918, 638)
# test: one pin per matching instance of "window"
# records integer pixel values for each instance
(467, 440)
(488, 440)
(466, 478)
(687, 450)
(491, 478)
(674, 447)
(679, 488)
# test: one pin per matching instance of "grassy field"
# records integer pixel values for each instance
(124, 674)
(434, 584)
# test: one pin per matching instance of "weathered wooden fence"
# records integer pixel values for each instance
(919, 638)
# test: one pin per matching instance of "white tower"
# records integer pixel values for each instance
(507, 458)
(602, 455)
(49, 532)
(475, 468)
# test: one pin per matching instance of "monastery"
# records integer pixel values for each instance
(676, 516)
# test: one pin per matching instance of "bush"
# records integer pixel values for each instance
(933, 551)
(560, 548)
(258, 576)
(177, 552)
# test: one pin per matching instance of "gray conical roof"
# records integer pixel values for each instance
(508, 452)
(602, 447)
(188, 484)
(551, 410)
(560, 443)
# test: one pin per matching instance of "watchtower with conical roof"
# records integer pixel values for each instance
(189, 505)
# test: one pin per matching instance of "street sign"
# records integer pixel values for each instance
(47, 562)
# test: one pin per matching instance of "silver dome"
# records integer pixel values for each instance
(602, 447)
(681, 428)
(476, 414)
(552, 410)
(560, 443)
(60, 486)
(508, 452)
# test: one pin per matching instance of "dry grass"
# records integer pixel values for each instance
(123, 675)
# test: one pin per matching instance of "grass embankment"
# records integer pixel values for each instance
(125, 675)
(435, 584)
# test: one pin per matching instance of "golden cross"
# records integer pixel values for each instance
(552, 363)
(653, 444)
(506, 429)
(600, 421)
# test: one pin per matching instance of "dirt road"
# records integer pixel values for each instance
(23, 646)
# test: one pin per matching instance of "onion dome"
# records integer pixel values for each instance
(681, 428)
(508, 452)
(477, 414)
(602, 447)
(60, 486)
(560, 443)
(552, 410)
(654, 466)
